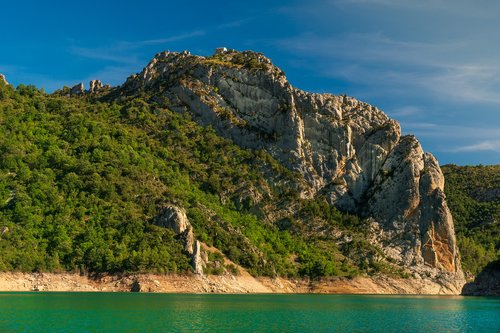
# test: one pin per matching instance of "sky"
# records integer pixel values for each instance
(433, 65)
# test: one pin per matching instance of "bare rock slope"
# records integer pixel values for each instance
(347, 150)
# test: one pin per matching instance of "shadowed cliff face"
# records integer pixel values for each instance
(486, 282)
(344, 149)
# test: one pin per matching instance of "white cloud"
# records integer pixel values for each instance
(405, 4)
(405, 111)
(440, 69)
(487, 145)
(236, 23)
(123, 52)
(471, 83)
(452, 132)
(464, 8)
(424, 126)
(175, 38)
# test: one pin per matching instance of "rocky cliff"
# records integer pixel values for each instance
(3, 80)
(175, 218)
(345, 150)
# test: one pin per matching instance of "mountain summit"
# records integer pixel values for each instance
(345, 150)
(196, 161)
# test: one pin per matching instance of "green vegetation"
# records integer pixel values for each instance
(81, 180)
(246, 59)
(473, 194)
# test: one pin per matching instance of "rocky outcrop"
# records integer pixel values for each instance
(486, 283)
(95, 86)
(174, 218)
(415, 225)
(346, 150)
(136, 287)
(77, 89)
(3, 79)
(198, 262)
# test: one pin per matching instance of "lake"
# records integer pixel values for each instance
(134, 312)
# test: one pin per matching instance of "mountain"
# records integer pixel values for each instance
(220, 150)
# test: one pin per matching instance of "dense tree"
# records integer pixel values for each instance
(473, 194)
(81, 181)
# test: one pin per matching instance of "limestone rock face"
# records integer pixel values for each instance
(95, 86)
(345, 149)
(198, 263)
(407, 198)
(174, 218)
(77, 89)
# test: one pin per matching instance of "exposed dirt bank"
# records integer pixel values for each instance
(243, 283)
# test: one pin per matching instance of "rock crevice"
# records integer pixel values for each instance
(174, 218)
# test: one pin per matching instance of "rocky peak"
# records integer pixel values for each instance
(242, 58)
(95, 86)
(77, 89)
(346, 150)
(3, 79)
(170, 67)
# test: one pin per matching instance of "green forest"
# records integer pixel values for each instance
(473, 195)
(82, 180)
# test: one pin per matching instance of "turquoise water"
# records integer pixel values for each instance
(128, 312)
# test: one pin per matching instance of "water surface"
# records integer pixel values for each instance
(129, 312)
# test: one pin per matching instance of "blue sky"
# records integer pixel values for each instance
(433, 65)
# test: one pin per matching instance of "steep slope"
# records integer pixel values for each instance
(474, 196)
(280, 181)
(98, 187)
(347, 151)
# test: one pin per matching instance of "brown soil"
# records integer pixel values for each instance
(243, 283)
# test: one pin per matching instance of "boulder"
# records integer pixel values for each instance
(95, 86)
(220, 50)
(136, 287)
(78, 89)
(174, 218)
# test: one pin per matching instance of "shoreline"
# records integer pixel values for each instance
(220, 284)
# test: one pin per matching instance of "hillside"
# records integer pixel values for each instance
(82, 181)
(473, 193)
(220, 150)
